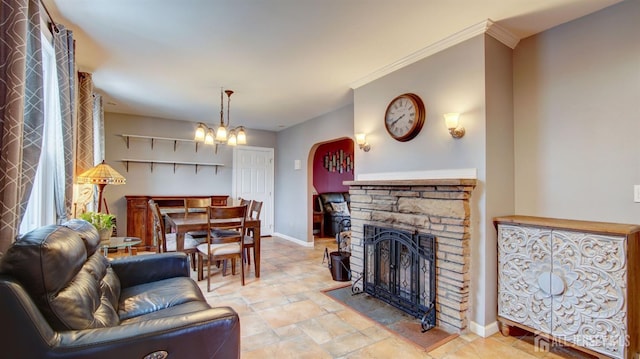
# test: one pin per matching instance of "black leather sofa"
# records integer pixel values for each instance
(61, 298)
(336, 207)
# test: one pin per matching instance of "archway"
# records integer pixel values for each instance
(330, 164)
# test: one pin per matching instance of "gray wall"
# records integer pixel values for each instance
(449, 81)
(292, 188)
(163, 181)
(499, 183)
(577, 118)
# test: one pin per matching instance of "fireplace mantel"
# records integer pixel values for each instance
(414, 182)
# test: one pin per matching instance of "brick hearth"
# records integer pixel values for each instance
(436, 206)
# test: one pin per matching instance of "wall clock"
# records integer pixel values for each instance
(404, 117)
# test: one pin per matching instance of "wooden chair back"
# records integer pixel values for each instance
(200, 203)
(227, 220)
(255, 209)
(158, 227)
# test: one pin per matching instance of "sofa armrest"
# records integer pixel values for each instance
(134, 270)
(23, 325)
(211, 333)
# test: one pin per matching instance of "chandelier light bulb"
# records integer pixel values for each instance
(221, 134)
(200, 132)
(232, 141)
(208, 138)
(242, 136)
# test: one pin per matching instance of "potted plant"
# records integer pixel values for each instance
(102, 221)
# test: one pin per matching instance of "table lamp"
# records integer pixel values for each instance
(101, 175)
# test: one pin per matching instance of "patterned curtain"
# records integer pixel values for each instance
(65, 65)
(84, 142)
(21, 110)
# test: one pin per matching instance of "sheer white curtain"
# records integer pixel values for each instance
(41, 207)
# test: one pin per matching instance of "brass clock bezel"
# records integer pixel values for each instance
(419, 118)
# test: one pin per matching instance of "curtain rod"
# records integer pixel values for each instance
(53, 23)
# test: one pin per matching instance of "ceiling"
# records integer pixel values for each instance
(287, 60)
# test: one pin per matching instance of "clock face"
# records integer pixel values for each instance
(404, 117)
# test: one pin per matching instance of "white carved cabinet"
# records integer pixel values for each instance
(571, 282)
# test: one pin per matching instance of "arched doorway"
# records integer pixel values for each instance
(331, 164)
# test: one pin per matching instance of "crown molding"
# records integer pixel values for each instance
(502, 34)
(487, 26)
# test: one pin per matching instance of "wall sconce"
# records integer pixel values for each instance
(361, 140)
(451, 120)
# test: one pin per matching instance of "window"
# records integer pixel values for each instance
(41, 207)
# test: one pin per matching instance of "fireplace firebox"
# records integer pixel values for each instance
(399, 269)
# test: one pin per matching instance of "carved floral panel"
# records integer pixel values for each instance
(524, 256)
(591, 310)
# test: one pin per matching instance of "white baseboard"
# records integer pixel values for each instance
(483, 331)
(294, 240)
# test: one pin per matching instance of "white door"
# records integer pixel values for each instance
(253, 179)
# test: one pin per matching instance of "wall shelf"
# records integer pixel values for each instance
(126, 161)
(175, 141)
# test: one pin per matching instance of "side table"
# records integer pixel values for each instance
(119, 243)
(318, 218)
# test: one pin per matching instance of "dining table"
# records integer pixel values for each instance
(197, 221)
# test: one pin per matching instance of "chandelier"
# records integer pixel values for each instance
(225, 134)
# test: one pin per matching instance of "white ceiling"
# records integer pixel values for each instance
(287, 60)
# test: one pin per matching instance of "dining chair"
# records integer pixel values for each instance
(200, 204)
(230, 245)
(167, 242)
(254, 213)
(197, 204)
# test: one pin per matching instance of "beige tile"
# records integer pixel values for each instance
(237, 303)
(469, 337)
(252, 324)
(346, 344)
(376, 333)
(257, 294)
(259, 341)
(506, 339)
(448, 348)
(291, 313)
(487, 348)
(325, 328)
(289, 331)
(296, 348)
(269, 303)
(356, 319)
(529, 348)
(389, 348)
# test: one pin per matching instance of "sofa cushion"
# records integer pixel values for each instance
(331, 197)
(176, 310)
(90, 299)
(87, 232)
(340, 208)
(72, 291)
(154, 296)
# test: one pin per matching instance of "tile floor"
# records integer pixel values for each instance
(283, 314)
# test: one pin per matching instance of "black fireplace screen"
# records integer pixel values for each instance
(399, 268)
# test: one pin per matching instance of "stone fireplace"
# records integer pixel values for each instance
(438, 207)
